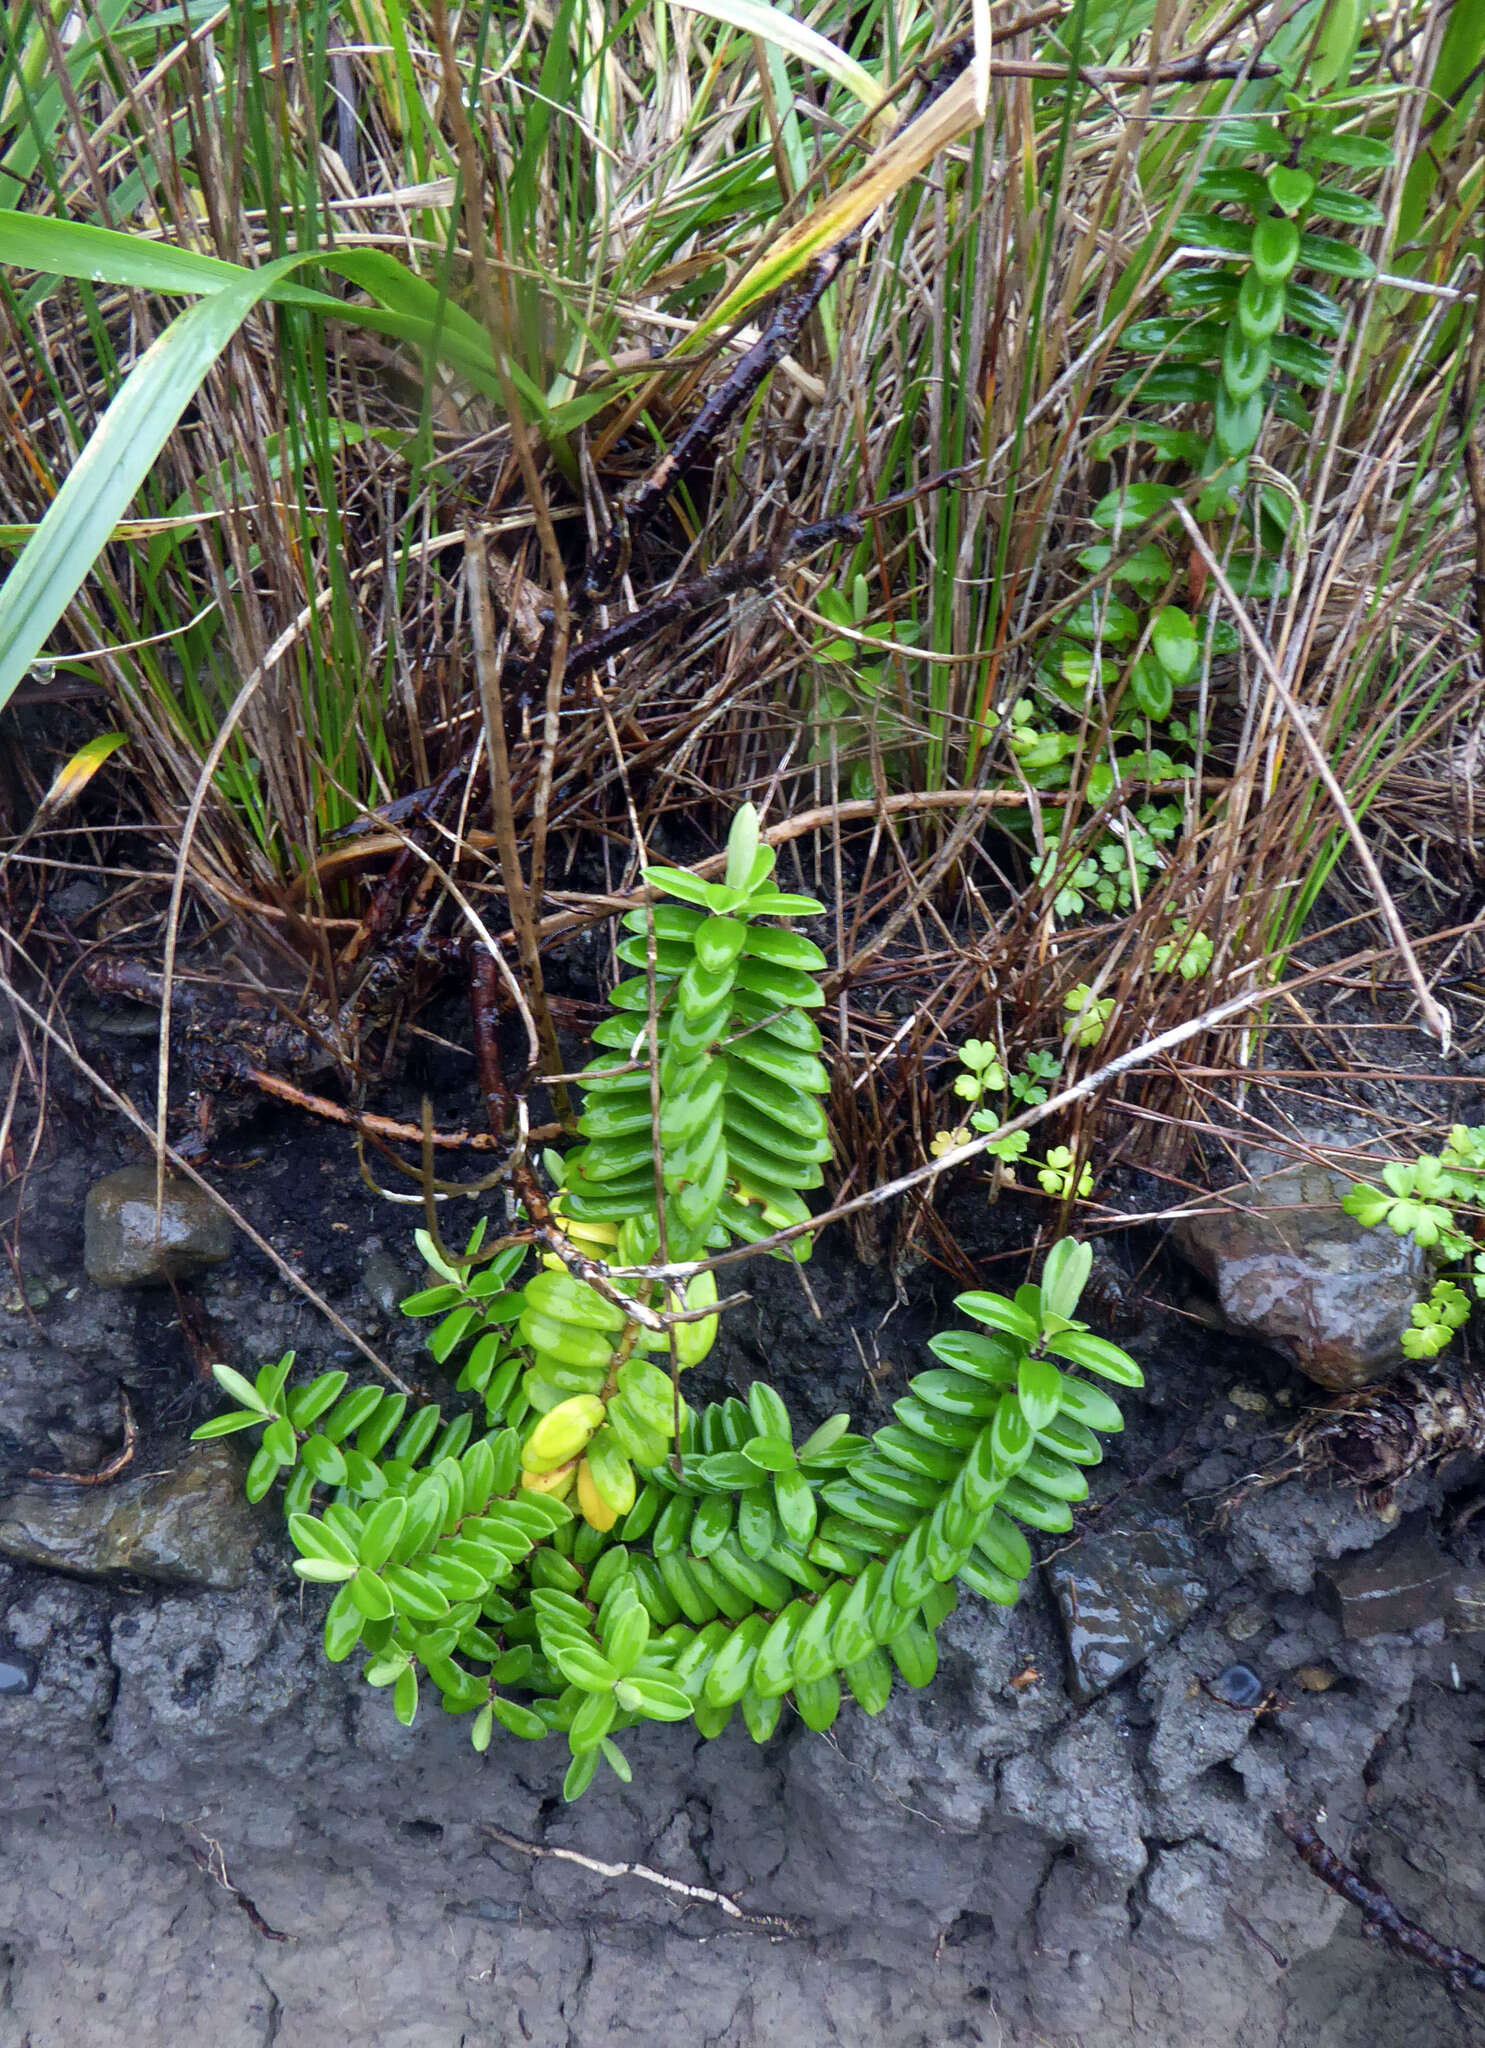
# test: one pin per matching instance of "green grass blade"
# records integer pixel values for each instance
(410, 311)
(113, 465)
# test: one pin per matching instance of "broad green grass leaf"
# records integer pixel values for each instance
(409, 309)
(59, 555)
(118, 457)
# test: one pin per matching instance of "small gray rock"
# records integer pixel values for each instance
(188, 1527)
(1291, 1268)
(1121, 1593)
(17, 1673)
(385, 1282)
(120, 1244)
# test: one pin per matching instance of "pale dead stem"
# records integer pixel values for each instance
(1435, 1017)
(701, 1894)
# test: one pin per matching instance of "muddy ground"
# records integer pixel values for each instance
(210, 1834)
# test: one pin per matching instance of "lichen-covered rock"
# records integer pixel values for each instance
(1292, 1268)
(121, 1246)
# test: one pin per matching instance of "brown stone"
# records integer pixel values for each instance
(1400, 1584)
(1293, 1269)
(123, 1248)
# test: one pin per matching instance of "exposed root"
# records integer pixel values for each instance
(1380, 1917)
(1377, 1436)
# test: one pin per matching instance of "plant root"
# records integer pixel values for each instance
(1380, 1918)
(1377, 1436)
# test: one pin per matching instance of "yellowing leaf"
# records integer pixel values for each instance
(73, 777)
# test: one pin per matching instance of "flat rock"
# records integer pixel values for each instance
(1121, 1593)
(1293, 1269)
(1401, 1584)
(121, 1247)
(191, 1526)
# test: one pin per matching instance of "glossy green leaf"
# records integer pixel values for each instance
(1214, 231)
(1260, 308)
(1039, 1388)
(582, 1665)
(1012, 1437)
(794, 1504)
(343, 1624)
(1337, 259)
(1290, 189)
(381, 1530)
(313, 1538)
(1097, 1354)
(1173, 638)
(592, 1721)
(242, 1391)
(415, 1593)
(1244, 363)
(1274, 248)
(1150, 688)
(324, 1460)
(1363, 152)
(822, 1441)
(405, 1697)
(305, 1405)
(1348, 207)
(324, 1571)
(1237, 422)
(228, 1425)
(350, 1412)
(656, 1698)
(770, 1453)
(1173, 385)
(999, 1314)
(371, 1595)
(518, 1720)
(770, 1416)
(625, 1640)
(1132, 506)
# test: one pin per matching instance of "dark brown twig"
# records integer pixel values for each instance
(484, 1000)
(380, 1126)
(750, 572)
(711, 421)
(1381, 1919)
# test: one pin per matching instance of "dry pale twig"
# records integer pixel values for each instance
(1436, 1018)
(700, 1892)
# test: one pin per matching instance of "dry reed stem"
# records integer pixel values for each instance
(1435, 1017)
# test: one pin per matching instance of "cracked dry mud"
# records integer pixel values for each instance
(983, 1863)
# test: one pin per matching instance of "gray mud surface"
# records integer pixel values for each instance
(210, 1835)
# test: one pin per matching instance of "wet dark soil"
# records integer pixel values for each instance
(210, 1833)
